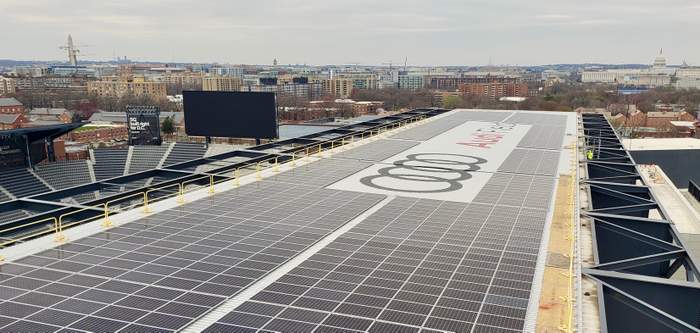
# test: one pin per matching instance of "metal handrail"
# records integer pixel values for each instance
(60, 238)
(161, 189)
(182, 186)
(32, 235)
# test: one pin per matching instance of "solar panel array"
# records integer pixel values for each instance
(516, 190)
(543, 137)
(547, 131)
(441, 125)
(539, 118)
(377, 151)
(163, 271)
(321, 173)
(416, 265)
(533, 162)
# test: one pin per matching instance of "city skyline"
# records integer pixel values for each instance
(365, 32)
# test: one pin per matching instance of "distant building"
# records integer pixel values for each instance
(343, 84)
(366, 107)
(659, 64)
(12, 121)
(495, 90)
(642, 78)
(51, 83)
(10, 106)
(609, 77)
(451, 83)
(94, 134)
(657, 123)
(688, 77)
(688, 82)
(49, 116)
(221, 83)
(657, 75)
(228, 71)
(121, 87)
(411, 81)
(7, 86)
(307, 91)
(59, 70)
(31, 71)
(192, 81)
(662, 120)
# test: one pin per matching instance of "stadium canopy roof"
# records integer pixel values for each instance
(38, 133)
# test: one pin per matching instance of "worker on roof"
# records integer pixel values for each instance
(589, 154)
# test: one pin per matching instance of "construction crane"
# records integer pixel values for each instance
(72, 50)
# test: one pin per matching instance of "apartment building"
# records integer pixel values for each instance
(221, 83)
(495, 90)
(118, 87)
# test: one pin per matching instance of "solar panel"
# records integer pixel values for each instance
(414, 264)
(321, 173)
(517, 190)
(377, 151)
(530, 161)
(547, 131)
(441, 125)
(165, 270)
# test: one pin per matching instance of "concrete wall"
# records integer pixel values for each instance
(679, 165)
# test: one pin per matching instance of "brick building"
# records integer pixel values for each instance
(10, 105)
(494, 90)
(661, 122)
(366, 107)
(12, 121)
(58, 115)
(99, 134)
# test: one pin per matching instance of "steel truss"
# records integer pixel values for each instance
(647, 280)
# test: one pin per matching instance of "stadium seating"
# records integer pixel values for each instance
(183, 152)
(12, 215)
(65, 174)
(110, 163)
(4, 197)
(146, 157)
(22, 183)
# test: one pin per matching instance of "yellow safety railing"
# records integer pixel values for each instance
(179, 194)
(52, 227)
(60, 237)
(109, 203)
(193, 181)
(105, 210)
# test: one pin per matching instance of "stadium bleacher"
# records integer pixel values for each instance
(4, 197)
(65, 174)
(146, 157)
(110, 163)
(21, 183)
(13, 215)
(183, 152)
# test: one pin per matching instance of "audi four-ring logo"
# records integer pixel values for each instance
(444, 171)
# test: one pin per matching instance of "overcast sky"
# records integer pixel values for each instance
(428, 32)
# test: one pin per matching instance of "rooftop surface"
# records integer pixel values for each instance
(441, 227)
(661, 144)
